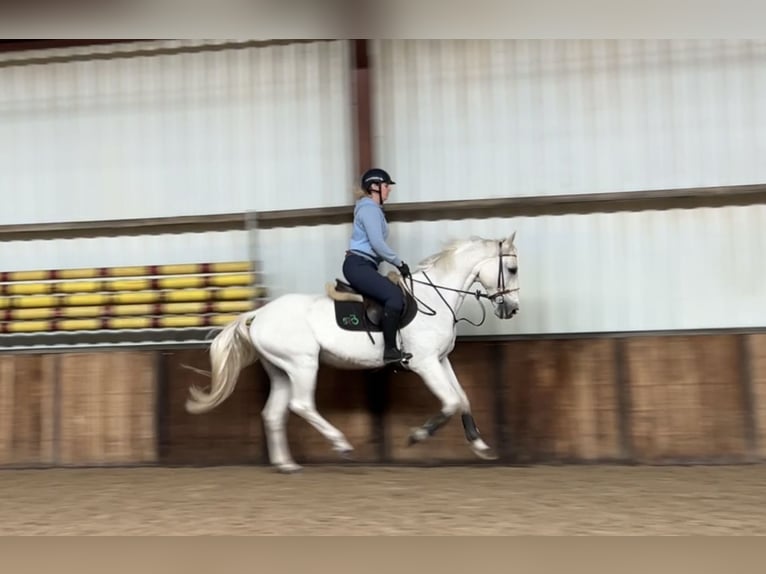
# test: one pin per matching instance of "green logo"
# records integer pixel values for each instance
(351, 319)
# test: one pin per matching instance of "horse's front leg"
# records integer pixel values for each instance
(440, 378)
(438, 382)
(472, 435)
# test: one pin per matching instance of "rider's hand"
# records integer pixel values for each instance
(404, 269)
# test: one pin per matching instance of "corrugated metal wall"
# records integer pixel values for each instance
(472, 119)
(117, 251)
(675, 269)
(302, 259)
(455, 120)
(214, 131)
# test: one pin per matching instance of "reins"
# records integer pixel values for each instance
(478, 294)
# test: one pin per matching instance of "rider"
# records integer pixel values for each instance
(367, 250)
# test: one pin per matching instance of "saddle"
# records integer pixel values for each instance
(356, 312)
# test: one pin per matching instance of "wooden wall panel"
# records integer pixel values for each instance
(757, 352)
(229, 434)
(686, 397)
(412, 403)
(27, 398)
(561, 400)
(557, 400)
(107, 408)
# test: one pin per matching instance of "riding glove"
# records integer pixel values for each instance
(404, 269)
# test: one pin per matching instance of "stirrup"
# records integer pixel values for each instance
(402, 358)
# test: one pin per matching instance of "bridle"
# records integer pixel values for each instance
(500, 292)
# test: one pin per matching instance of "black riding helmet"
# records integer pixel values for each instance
(375, 175)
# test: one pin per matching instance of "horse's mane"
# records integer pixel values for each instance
(446, 257)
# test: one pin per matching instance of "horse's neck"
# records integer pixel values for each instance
(458, 277)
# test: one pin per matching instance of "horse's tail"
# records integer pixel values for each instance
(230, 352)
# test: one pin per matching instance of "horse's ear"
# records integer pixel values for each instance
(511, 238)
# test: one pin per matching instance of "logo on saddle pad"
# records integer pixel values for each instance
(351, 319)
(354, 312)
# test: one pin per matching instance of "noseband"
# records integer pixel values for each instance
(496, 297)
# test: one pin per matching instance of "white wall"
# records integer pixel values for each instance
(654, 270)
(477, 119)
(468, 119)
(119, 251)
(474, 119)
(179, 134)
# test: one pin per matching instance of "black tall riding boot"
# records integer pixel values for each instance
(392, 354)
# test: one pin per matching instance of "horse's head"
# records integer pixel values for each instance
(498, 274)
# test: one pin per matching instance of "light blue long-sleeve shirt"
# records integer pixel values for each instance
(370, 233)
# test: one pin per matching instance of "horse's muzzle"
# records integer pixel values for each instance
(506, 309)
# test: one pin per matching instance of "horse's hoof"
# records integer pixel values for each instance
(417, 435)
(485, 452)
(346, 454)
(289, 468)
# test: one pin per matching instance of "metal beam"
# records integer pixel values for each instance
(31, 60)
(534, 206)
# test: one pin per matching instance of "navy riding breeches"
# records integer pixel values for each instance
(362, 274)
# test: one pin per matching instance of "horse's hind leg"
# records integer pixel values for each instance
(275, 418)
(302, 403)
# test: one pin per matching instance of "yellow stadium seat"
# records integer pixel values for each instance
(177, 296)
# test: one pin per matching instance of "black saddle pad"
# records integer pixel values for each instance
(366, 315)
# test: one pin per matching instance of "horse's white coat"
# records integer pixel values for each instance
(292, 334)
